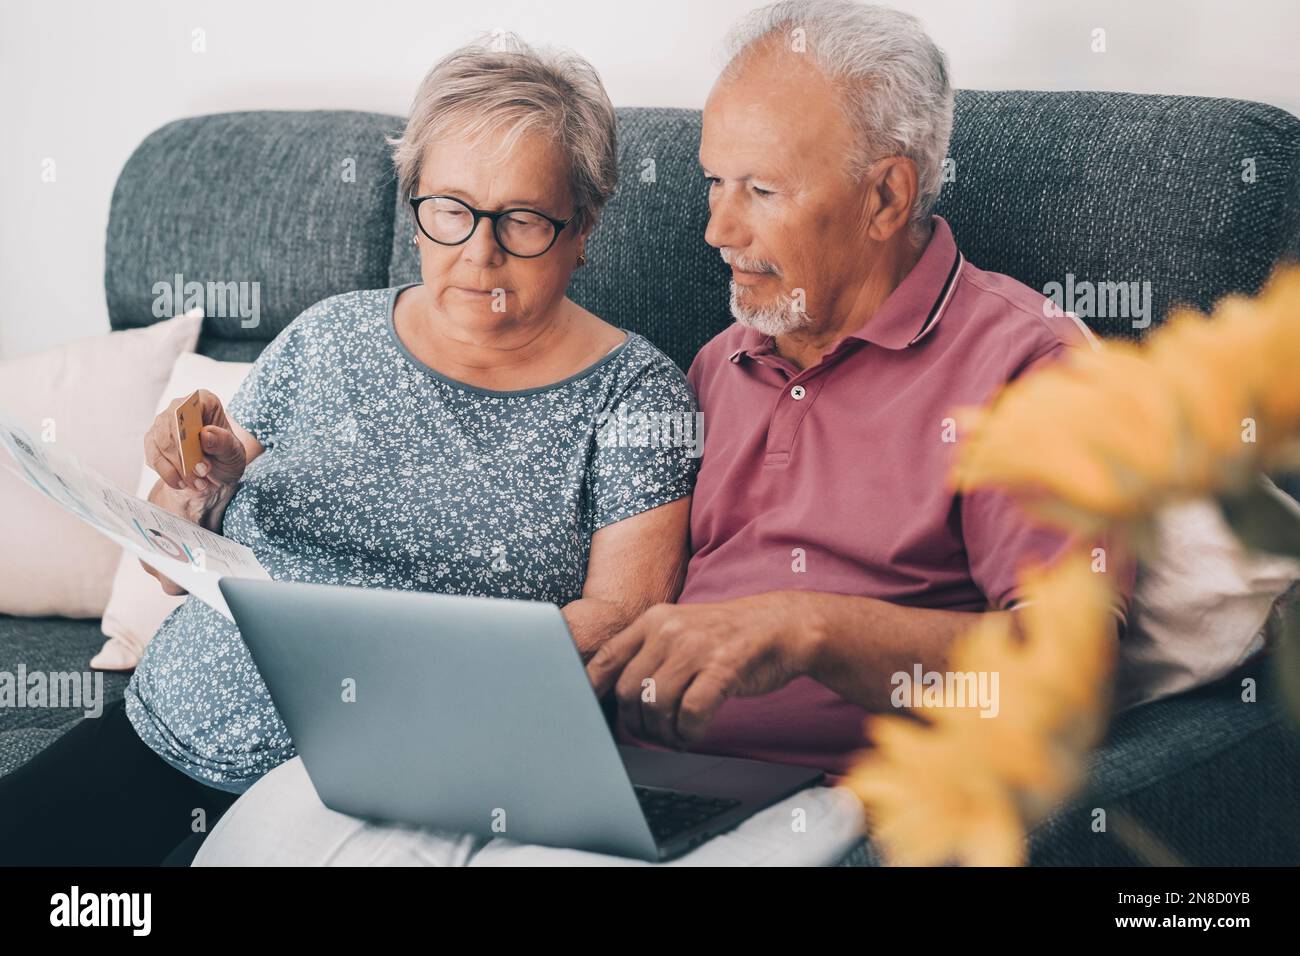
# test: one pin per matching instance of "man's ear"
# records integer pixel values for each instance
(892, 189)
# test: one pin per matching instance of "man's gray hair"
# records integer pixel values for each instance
(502, 83)
(893, 77)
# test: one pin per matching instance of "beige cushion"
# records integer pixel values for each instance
(1199, 606)
(93, 398)
(138, 603)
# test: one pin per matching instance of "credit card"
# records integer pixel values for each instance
(189, 424)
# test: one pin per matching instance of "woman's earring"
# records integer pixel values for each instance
(582, 258)
(415, 239)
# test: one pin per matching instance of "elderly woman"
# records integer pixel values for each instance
(442, 436)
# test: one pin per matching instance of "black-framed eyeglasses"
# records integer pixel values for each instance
(523, 233)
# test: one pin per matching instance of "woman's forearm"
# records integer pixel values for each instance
(634, 564)
(594, 618)
(593, 621)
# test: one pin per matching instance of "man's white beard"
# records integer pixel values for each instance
(777, 318)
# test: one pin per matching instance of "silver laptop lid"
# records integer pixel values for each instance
(463, 713)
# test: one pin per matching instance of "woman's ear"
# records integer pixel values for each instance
(582, 246)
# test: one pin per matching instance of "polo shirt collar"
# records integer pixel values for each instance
(911, 311)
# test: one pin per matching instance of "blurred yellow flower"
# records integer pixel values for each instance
(1096, 444)
(961, 787)
(1109, 436)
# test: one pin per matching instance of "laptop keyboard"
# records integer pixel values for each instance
(670, 812)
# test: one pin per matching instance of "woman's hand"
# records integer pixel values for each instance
(211, 483)
(224, 457)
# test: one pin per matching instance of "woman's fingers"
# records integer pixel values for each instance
(168, 585)
(168, 469)
(223, 454)
(171, 587)
(214, 413)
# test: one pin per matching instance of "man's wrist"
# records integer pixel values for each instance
(807, 629)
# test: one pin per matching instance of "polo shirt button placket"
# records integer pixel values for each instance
(785, 421)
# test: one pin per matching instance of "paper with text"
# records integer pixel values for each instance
(193, 557)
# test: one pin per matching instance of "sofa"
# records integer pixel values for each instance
(1200, 197)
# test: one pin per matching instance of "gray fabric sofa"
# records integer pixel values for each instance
(1106, 187)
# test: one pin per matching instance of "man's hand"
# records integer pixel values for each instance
(673, 667)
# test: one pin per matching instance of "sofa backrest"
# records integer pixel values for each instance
(1199, 197)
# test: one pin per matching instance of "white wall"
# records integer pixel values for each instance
(83, 81)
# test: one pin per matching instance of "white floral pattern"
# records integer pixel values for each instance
(379, 472)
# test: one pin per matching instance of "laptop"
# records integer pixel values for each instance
(476, 715)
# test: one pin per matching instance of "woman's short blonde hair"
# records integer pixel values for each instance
(502, 83)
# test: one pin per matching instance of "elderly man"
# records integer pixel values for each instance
(828, 551)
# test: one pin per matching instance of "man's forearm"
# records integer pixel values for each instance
(854, 645)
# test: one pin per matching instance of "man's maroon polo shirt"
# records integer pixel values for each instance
(836, 478)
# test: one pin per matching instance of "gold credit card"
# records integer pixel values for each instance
(189, 424)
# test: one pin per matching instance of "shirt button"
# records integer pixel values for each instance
(797, 393)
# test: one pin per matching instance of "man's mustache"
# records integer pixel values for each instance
(748, 265)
